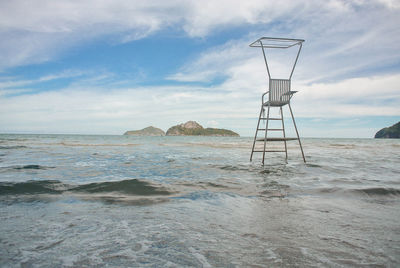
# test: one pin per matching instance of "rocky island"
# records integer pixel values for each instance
(392, 132)
(148, 131)
(192, 128)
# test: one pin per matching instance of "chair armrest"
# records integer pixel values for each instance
(262, 98)
(289, 93)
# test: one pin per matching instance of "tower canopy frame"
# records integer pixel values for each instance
(282, 43)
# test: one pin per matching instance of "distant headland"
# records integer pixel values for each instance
(190, 128)
(148, 131)
(392, 132)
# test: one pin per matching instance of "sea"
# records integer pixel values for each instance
(124, 201)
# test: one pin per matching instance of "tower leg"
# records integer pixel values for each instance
(284, 134)
(255, 136)
(266, 131)
(298, 137)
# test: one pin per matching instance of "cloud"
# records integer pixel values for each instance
(96, 110)
(214, 62)
(41, 31)
(16, 85)
(364, 96)
(393, 4)
(343, 39)
(37, 32)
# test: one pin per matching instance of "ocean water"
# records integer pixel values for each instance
(122, 201)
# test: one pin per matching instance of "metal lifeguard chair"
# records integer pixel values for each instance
(279, 94)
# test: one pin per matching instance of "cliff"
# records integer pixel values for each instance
(148, 131)
(192, 128)
(392, 132)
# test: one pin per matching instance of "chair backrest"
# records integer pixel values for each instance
(277, 89)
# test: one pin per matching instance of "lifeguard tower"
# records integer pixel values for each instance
(279, 94)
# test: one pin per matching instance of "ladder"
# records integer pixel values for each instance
(264, 139)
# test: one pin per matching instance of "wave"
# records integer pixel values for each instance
(30, 167)
(217, 145)
(24, 168)
(95, 144)
(72, 144)
(342, 146)
(30, 187)
(125, 187)
(11, 139)
(235, 167)
(376, 191)
(12, 147)
(208, 144)
(130, 187)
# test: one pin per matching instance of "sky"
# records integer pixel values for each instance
(105, 67)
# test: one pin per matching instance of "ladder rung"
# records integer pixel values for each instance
(270, 151)
(273, 129)
(277, 139)
(264, 118)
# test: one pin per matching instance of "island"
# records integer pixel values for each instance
(192, 128)
(392, 132)
(148, 131)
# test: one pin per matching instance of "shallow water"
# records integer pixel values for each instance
(70, 200)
